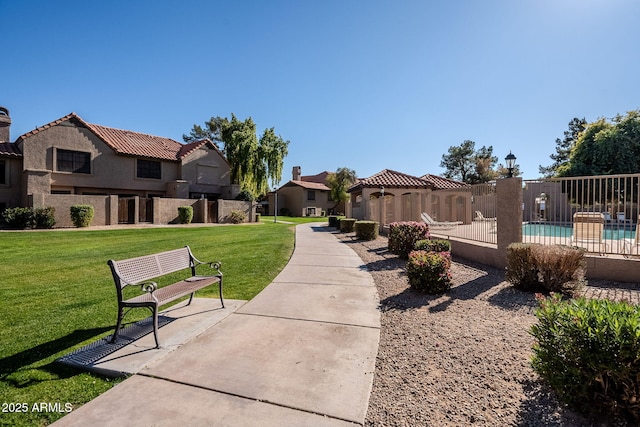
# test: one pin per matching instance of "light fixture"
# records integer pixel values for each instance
(511, 163)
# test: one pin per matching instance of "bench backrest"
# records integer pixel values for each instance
(135, 270)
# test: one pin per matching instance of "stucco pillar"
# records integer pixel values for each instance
(113, 209)
(508, 215)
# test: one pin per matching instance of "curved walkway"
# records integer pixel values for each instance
(301, 353)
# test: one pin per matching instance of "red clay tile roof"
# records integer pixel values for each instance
(132, 143)
(308, 185)
(321, 177)
(8, 149)
(442, 183)
(392, 179)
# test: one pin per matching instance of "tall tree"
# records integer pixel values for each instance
(253, 162)
(212, 130)
(339, 182)
(464, 163)
(272, 150)
(459, 162)
(606, 148)
(484, 163)
(564, 147)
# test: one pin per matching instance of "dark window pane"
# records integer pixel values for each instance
(149, 169)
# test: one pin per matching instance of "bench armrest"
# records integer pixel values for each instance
(212, 264)
(215, 265)
(149, 287)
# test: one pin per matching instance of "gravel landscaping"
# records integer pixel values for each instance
(461, 358)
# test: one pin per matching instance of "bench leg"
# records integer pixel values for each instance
(220, 290)
(118, 323)
(155, 326)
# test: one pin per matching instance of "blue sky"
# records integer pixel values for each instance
(365, 84)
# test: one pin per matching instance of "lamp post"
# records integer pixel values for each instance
(511, 163)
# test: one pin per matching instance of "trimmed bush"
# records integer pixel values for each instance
(81, 215)
(429, 272)
(237, 217)
(23, 218)
(185, 214)
(334, 220)
(404, 235)
(433, 245)
(346, 224)
(587, 350)
(554, 268)
(18, 218)
(366, 230)
(246, 195)
(522, 270)
(44, 217)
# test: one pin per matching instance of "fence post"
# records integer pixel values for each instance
(508, 215)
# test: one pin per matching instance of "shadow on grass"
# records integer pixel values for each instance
(10, 365)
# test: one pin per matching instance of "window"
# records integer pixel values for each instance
(73, 161)
(311, 195)
(3, 172)
(149, 169)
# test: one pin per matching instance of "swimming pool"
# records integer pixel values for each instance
(549, 230)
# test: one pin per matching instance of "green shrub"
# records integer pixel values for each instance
(18, 218)
(429, 272)
(554, 268)
(44, 217)
(185, 214)
(588, 351)
(346, 224)
(404, 235)
(433, 245)
(334, 220)
(81, 215)
(246, 195)
(237, 217)
(522, 270)
(366, 230)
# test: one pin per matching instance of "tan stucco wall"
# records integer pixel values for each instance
(206, 171)
(62, 203)
(408, 204)
(294, 198)
(110, 173)
(226, 206)
(10, 193)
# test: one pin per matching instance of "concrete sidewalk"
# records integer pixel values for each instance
(301, 353)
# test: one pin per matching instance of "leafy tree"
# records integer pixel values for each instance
(465, 164)
(564, 147)
(253, 162)
(272, 150)
(339, 182)
(459, 162)
(211, 131)
(606, 148)
(484, 162)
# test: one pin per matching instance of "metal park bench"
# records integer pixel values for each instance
(139, 272)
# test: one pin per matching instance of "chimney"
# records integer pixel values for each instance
(297, 173)
(5, 124)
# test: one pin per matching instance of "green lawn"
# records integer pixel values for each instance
(295, 219)
(57, 294)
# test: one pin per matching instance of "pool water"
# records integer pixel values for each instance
(563, 231)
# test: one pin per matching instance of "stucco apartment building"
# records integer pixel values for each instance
(304, 195)
(128, 176)
(389, 196)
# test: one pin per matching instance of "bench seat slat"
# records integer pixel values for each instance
(172, 292)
